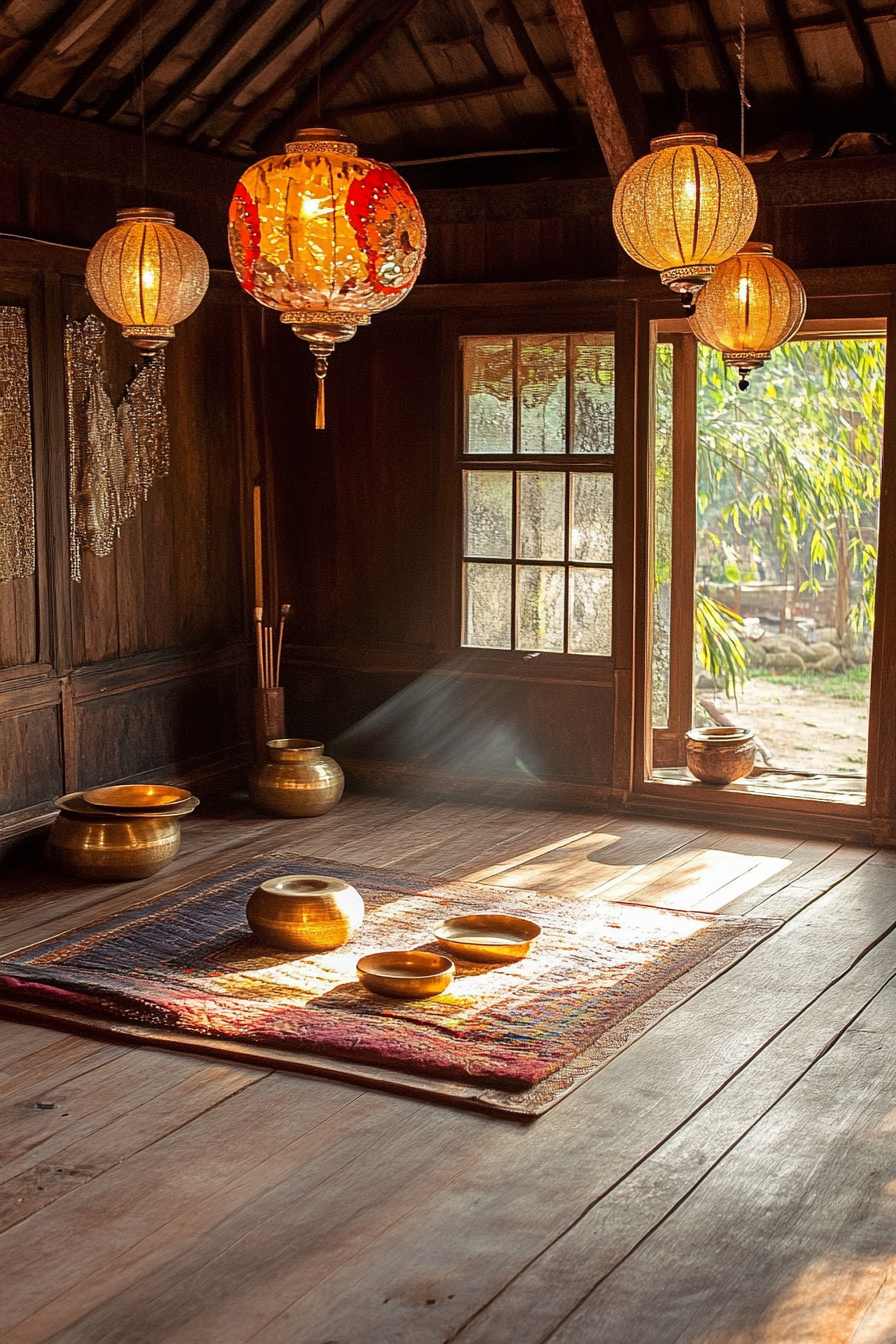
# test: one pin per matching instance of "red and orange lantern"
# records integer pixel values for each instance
(326, 238)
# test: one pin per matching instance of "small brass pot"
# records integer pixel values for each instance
(297, 780)
(720, 755)
(304, 913)
(115, 848)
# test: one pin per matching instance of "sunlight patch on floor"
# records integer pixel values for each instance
(690, 879)
(831, 1302)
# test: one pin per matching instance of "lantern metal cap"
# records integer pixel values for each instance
(145, 214)
(680, 138)
(757, 249)
(320, 140)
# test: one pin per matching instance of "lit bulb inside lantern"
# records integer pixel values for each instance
(310, 205)
(690, 189)
(149, 279)
(744, 290)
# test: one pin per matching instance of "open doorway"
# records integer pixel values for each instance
(765, 556)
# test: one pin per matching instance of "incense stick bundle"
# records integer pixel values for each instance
(284, 612)
(258, 645)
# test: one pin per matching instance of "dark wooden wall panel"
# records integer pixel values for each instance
(30, 759)
(18, 622)
(356, 504)
(146, 728)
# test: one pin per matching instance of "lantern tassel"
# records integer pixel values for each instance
(320, 369)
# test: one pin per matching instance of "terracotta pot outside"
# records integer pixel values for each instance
(720, 755)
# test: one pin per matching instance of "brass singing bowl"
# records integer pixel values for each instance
(405, 975)
(113, 848)
(139, 797)
(76, 805)
(304, 913)
(487, 937)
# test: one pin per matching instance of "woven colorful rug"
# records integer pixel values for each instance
(185, 970)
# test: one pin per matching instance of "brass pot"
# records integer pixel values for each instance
(114, 848)
(297, 780)
(720, 755)
(304, 912)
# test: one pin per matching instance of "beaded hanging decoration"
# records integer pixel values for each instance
(16, 472)
(114, 455)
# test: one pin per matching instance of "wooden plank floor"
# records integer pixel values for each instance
(728, 1179)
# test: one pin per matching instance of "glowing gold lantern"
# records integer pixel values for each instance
(753, 303)
(684, 208)
(147, 275)
(326, 238)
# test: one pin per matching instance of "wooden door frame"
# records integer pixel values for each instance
(840, 308)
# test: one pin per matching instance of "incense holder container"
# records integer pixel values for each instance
(304, 913)
(297, 780)
(720, 755)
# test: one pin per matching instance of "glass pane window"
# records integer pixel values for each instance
(489, 395)
(593, 380)
(539, 395)
(488, 513)
(542, 514)
(591, 534)
(487, 608)
(542, 377)
(548, 537)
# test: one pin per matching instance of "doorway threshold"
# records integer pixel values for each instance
(844, 789)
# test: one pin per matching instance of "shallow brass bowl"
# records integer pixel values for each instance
(137, 796)
(76, 805)
(304, 912)
(406, 975)
(487, 937)
(111, 848)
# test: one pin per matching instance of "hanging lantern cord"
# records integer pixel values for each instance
(742, 77)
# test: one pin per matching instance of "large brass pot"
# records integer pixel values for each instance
(113, 849)
(720, 755)
(304, 912)
(297, 780)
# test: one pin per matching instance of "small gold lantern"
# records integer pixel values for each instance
(326, 238)
(147, 275)
(753, 303)
(684, 208)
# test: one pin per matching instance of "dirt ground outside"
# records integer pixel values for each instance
(807, 723)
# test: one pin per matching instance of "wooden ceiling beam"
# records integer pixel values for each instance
(784, 31)
(656, 50)
(337, 76)
(538, 70)
(221, 48)
(605, 80)
(291, 76)
(715, 47)
(120, 35)
(40, 43)
(875, 79)
(248, 74)
(123, 94)
(462, 94)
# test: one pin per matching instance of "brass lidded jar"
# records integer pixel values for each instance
(297, 780)
(113, 848)
(304, 912)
